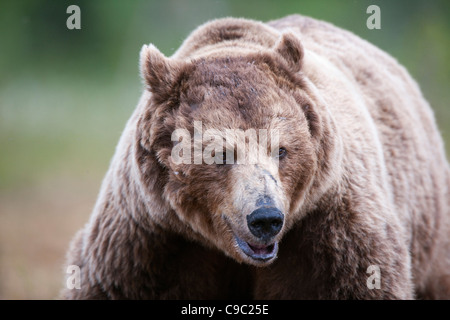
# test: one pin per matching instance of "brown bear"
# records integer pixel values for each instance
(349, 200)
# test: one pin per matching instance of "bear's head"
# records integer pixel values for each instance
(237, 139)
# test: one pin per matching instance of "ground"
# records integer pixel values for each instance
(35, 234)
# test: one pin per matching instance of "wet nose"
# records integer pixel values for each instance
(265, 223)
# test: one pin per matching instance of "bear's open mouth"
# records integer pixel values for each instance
(258, 252)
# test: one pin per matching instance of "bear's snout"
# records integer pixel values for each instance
(265, 223)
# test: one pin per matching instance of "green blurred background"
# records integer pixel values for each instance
(65, 96)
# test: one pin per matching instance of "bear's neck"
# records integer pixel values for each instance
(133, 191)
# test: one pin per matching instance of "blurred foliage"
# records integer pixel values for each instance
(65, 95)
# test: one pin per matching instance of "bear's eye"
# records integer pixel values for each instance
(220, 158)
(282, 152)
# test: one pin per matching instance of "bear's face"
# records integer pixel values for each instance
(236, 138)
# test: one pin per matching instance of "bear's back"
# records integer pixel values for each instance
(413, 150)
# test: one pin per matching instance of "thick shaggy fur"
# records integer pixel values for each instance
(364, 182)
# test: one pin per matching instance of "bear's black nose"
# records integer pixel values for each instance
(265, 222)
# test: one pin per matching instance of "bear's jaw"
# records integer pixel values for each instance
(259, 254)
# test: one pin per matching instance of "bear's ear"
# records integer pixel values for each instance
(158, 72)
(290, 48)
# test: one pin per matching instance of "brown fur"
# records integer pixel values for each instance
(365, 180)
